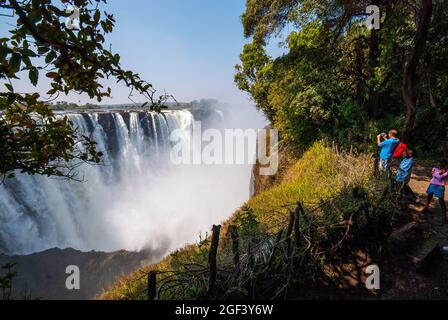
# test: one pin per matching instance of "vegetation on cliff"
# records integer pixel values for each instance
(326, 210)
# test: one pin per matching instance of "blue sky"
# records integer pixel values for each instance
(187, 47)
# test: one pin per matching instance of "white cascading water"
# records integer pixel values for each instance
(136, 199)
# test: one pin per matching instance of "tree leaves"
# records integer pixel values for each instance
(336, 79)
(14, 62)
(3, 52)
(9, 87)
(26, 60)
(52, 75)
(50, 56)
(33, 76)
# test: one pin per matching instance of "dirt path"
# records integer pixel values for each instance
(421, 177)
(410, 284)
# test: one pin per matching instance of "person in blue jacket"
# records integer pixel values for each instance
(405, 169)
(387, 147)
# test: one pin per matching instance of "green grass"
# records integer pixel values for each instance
(320, 174)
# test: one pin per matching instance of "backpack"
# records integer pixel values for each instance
(399, 150)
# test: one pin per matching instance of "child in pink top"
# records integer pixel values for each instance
(437, 188)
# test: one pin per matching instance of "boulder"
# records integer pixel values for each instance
(405, 237)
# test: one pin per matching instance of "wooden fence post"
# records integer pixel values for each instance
(251, 267)
(235, 246)
(274, 250)
(250, 254)
(152, 285)
(297, 212)
(288, 233)
(212, 260)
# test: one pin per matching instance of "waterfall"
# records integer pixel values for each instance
(116, 207)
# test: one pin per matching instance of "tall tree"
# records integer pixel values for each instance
(411, 63)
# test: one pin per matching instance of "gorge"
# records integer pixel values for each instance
(134, 200)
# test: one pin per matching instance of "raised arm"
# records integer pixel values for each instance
(438, 175)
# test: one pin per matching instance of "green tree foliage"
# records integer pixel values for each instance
(340, 80)
(32, 139)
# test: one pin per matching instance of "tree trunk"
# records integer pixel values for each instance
(410, 66)
(152, 285)
(373, 101)
(212, 261)
(427, 79)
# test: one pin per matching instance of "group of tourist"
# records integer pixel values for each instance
(392, 148)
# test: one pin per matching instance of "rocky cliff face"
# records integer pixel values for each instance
(210, 118)
(42, 275)
(260, 183)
